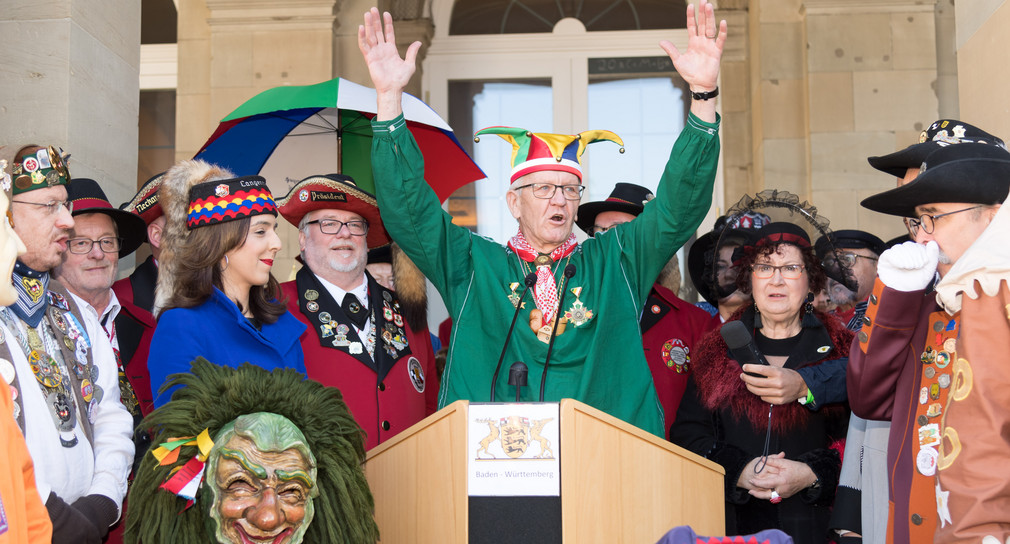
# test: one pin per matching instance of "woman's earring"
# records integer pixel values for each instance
(808, 312)
(225, 267)
(757, 318)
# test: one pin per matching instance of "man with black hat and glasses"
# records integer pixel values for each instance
(670, 326)
(935, 363)
(102, 235)
(67, 401)
(859, 251)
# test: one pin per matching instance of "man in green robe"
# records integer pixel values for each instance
(597, 355)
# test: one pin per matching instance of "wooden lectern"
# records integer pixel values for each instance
(619, 484)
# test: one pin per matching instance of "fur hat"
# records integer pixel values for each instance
(174, 198)
(211, 397)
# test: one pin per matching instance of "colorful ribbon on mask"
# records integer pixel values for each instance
(184, 480)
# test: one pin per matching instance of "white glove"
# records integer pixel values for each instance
(909, 266)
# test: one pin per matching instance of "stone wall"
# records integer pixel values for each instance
(824, 85)
(69, 77)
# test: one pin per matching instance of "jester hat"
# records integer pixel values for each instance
(535, 152)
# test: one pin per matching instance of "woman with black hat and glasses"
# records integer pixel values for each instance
(781, 469)
(216, 297)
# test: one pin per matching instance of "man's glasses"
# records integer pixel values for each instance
(82, 246)
(789, 271)
(332, 226)
(52, 207)
(927, 221)
(547, 190)
(846, 258)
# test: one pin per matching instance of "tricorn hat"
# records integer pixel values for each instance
(88, 197)
(626, 197)
(942, 133)
(146, 203)
(334, 192)
(971, 173)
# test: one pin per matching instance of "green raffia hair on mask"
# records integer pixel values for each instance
(212, 397)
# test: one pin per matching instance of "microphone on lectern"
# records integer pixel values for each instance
(517, 376)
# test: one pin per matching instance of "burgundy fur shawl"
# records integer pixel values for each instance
(717, 377)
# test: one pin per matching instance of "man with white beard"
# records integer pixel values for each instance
(859, 250)
(358, 339)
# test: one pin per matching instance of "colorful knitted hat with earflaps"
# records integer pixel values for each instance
(536, 152)
(212, 396)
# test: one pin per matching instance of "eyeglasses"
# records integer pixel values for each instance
(547, 190)
(789, 271)
(52, 207)
(597, 229)
(928, 221)
(332, 226)
(846, 258)
(82, 246)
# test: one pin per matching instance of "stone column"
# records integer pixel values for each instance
(69, 76)
(230, 50)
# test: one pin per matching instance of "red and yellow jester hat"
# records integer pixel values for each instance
(534, 152)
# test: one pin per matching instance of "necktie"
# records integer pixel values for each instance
(354, 311)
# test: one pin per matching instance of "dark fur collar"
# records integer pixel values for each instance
(718, 376)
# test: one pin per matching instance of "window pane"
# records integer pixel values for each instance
(648, 114)
(475, 105)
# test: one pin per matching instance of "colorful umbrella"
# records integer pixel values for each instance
(288, 133)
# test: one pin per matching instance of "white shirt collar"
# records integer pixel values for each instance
(361, 291)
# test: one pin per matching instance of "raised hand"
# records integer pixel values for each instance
(389, 72)
(699, 66)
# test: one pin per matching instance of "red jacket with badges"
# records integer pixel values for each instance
(387, 395)
(671, 328)
(134, 329)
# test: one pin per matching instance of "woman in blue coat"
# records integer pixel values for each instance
(216, 297)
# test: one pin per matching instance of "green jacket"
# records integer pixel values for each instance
(600, 361)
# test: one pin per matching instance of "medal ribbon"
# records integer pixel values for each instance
(32, 343)
(545, 293)
(126, 392)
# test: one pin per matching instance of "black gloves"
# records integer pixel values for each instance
(86, 521)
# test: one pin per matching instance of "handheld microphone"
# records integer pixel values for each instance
(530, 281)
(517, 376)
(569, 272)
(741, 345)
